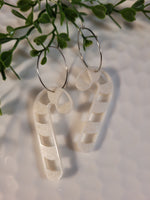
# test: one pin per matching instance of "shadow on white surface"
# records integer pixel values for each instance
(111, 109)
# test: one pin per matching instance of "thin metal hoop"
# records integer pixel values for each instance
(98, 44)
(66, 68)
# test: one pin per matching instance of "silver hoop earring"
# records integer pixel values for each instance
(44, 126)
(91, 74)
(66, 69)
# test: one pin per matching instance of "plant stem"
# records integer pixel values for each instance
(8, 4)
(16, 44)
(67, 27)
(146, 15)
(147, 5)
(15, 73)
(82, 4)
(114, 21)
(49, 44)
(55, 27)
(146, 11)
(120, 2)
(117, 11)
(29, 43)
(21, 27)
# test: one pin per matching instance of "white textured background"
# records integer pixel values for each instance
(119, 168)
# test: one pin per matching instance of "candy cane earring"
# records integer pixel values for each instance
(91, 125)
(43, 122)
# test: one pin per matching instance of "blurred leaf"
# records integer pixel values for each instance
(6, 58)
(109, 8)
(61, 42)
(44, 18)
(37, 26)
(64, 36)
(0, 109)
(1, 3)
(70, 14)
(40, 39)
(62, 17)
(3, 35)
(24, 5)
(50, 11)
(138, 5)
(2, 70)
(29, 19)
(128, 14)
(6, 39)
(18, 14)
(34, 53)
(99, 11)
(10, 30)
(44, 60)
(86, 43)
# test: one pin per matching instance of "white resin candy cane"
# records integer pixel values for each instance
(45, 131)
(85, 141)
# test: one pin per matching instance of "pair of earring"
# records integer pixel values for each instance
(48, 97)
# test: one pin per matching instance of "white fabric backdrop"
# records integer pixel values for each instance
(119, 168)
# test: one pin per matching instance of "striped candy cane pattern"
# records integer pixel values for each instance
(86, 140)
(45, 131)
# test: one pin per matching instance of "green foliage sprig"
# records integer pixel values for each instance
(66, 12)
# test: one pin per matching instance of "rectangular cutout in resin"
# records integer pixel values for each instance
(46, 141)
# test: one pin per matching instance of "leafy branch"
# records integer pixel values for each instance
(65, 11)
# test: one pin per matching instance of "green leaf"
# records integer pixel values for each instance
(40, 39)
(6, 58)
(61, 42)
(70, 14)
(44, 60)
(34, 53)
(50, 11)
(62, 17)
(128, 14)
(64, 36)
(18, 14)
(24, 5)
(37, 26)
(10, 30)
(86, 43)
(109, 8)
(29, 19)
(44, 18)
(99, 11)
(3, 35)
(2, 70)
(76, 1)
(138, 5)
(0, 110)
(4, 40)
(1, 3)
